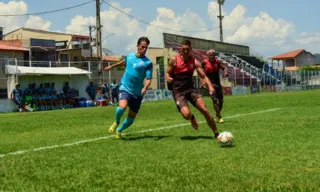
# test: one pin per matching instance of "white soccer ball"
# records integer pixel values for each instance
(225, 139)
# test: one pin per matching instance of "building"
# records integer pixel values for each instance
(317, 58)
(294, 59)
(11, 51)
(51, 46)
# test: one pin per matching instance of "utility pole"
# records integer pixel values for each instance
(90, 40)
(220, 2)
(99, 45)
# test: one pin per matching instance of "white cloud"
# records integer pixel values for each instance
(11, 23)
(309, 41)
(12, 7)
(36, 22)
(125, 29)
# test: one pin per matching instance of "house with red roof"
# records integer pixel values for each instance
(294, 59)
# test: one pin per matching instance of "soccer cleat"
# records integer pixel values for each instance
(118, 135)
(113, 127)
(194, 123)
(221, 120)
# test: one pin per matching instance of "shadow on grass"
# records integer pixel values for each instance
(134, 138)
(196, 137)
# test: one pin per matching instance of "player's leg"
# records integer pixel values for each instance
(218, 102)
(199, 103)
(123, 104)
(134, 105)
(215, 103)
(183, 107)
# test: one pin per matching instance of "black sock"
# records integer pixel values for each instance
(216, 134)
(192, 117)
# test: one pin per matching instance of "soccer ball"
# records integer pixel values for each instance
(225, 139)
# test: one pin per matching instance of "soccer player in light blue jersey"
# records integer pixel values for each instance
(132, 89)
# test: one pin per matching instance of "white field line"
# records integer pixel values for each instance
(111, 136)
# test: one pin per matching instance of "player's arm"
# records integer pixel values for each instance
(119, 64)
(203, 76)
(202, 81)
(223, 68)
(149, 71)
(170, 67)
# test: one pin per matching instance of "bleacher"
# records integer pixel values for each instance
(252, 60)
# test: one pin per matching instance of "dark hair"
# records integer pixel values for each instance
(186, 42)
(145, 39)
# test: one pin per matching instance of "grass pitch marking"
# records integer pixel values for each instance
(111, 136)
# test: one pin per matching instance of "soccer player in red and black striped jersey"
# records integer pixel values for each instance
(179, 77)
(212, 67)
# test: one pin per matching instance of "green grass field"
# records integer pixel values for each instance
(276, 136)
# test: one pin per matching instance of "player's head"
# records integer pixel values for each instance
(114, 81)
(211, 54)
(186, 48)
(142, 45)
(17, 85)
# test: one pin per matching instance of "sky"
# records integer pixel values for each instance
(268, 27)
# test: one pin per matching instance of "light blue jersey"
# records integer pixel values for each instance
(137, 69)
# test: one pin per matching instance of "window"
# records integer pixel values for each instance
(64, 57)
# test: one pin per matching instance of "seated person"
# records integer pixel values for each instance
(43, 100)
(36, 101)
(55, 100)
(67, 99)
(27, 90)
(47, 88)
(40, 89)
(72, 98)
(28, 99)
(51, 101)
(52, 89)
(66, 88)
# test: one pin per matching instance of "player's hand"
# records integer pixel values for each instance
(107, 68)
(143, 91)
(169, 79)
(226, 74)
(211, 91)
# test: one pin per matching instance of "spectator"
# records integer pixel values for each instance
(52, 89)
(66, 88)
(16, 96)
(114, 91)
(40, 89)
(33, 87)
(36, 101)
(91, 90)
(27, 90)
(105, 91)
(47, 88)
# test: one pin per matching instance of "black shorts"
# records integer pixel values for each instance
(134, 102)
(218, 94)
(182, 98)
